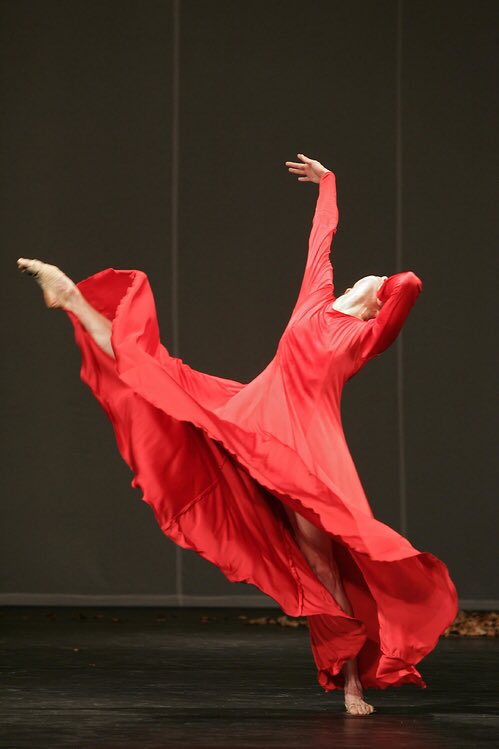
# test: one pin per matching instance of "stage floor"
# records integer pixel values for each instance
(101, 678)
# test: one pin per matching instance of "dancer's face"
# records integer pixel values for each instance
(364, 293)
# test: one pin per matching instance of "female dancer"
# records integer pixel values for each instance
(257, 477)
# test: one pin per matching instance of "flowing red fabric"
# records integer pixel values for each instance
(215, 459)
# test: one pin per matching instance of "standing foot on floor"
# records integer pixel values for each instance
(354, 700)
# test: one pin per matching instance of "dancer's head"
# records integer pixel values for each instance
(362, 296)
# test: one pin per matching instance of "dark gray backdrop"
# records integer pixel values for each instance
(153, 135)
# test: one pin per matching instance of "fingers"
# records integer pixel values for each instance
(302, 178)
(295, 167)
(298, 169)
(299, 164)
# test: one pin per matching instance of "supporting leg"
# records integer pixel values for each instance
(317, 548)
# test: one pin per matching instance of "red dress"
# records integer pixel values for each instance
(215, 459)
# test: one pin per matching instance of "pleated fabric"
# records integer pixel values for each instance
(216, 460)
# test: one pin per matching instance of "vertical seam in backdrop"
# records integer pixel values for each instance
(399, 261)
(174, 233)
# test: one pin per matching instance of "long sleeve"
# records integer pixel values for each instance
(398, 294)
(318, 270)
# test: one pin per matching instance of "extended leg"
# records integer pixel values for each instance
(61, 291)
(96, 324)
(317, 548)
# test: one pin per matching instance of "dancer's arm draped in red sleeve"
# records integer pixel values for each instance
(398, 294)
(318, 274)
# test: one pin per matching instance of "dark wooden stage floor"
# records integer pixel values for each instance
(161, 678)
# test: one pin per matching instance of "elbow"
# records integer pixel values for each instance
(412, 281)
(405, 283)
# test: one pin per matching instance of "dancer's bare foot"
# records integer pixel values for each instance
(354, 700)
(58, 289)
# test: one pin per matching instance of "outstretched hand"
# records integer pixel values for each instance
(310, 171)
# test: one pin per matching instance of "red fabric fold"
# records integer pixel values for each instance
(215, 480)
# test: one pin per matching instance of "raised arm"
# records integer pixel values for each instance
(398, 294)
(318, 270)
(318, 275)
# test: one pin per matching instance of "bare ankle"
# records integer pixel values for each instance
(352, 683)
(73, 300)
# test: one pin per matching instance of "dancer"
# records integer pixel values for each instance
(257, 477)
